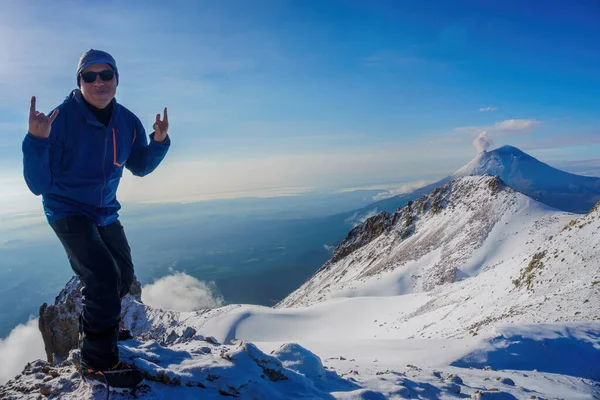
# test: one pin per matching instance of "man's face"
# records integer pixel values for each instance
(98, 93)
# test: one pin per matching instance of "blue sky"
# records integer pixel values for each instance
(278, 97)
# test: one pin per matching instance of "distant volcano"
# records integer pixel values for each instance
(522, 172)
(553, 187)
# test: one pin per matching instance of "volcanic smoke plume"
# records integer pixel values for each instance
(483, 142)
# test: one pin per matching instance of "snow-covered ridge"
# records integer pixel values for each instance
(359, 357)
(180, 363)
(448, 235)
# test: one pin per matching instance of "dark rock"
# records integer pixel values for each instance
(496, 184)
(189, 332)
(172, 337)
(211, 340)
(58, 322)
(362, 235)
(455, 379)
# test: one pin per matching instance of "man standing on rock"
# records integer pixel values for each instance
(74, 158)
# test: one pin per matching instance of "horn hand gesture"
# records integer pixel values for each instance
(161, 127)
(40, 124)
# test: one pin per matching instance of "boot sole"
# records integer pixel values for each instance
(121, 390)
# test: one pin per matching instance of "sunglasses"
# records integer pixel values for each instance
(90, 76)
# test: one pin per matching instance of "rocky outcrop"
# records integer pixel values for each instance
(596, 208)
(402, 220)
(177, 362)
(362, 235)
(58, 322)
(496, 184)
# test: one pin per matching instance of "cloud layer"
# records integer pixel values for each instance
(484, 109)
(503, 128)
(24, 344)
(181, 292)
(403, 189)
(357, 219)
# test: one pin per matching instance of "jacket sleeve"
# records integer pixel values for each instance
(36, 164)
(144, 156)
(41, 157)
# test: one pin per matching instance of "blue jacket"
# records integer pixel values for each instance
(78, 168)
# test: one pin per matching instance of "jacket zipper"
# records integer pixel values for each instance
(115, 149)
(103, 173)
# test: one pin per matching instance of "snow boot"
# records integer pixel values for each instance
(119, 376)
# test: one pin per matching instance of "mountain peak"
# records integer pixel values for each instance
(508, 149)
(493, 162)
(521, 171)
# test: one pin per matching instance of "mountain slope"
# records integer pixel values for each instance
(455, 232)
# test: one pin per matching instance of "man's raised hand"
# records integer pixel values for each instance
(40, 124)
(161, 127)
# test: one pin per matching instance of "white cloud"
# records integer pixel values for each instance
(403, 189)
(356, 219)
(181, 292)
(24, 344)
(484, 109)
(329, 248)
(503, 128)
(516, 125)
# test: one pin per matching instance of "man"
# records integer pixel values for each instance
(74, 158)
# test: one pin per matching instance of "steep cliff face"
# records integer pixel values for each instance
(362, 235)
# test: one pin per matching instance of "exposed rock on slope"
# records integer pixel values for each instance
(58, 322)
(449, 226)
(362, 234)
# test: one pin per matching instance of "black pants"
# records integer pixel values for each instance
(101, 257)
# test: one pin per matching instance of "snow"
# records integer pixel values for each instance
(476, 230)
(558, 360)
(520, 319)
(566, 349)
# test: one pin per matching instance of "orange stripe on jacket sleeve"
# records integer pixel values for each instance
(115, 150)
